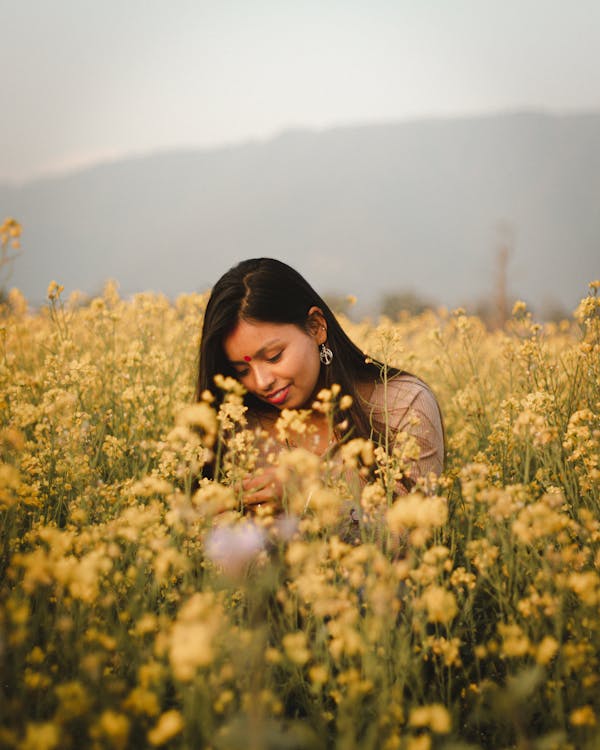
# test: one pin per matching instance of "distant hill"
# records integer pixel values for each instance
(361, 210)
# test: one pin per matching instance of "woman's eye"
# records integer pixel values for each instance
(275, 358)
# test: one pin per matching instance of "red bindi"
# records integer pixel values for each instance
(247, 359)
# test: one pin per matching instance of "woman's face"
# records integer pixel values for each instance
(277, 362)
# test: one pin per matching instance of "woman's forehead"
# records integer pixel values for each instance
(249, 336)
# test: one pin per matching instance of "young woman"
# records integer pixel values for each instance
(267, 327)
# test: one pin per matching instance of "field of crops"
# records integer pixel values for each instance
(134, 615)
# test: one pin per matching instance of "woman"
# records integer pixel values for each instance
(265, 326)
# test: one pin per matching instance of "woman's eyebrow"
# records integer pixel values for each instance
(259, 353)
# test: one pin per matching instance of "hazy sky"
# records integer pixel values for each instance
(84, 80)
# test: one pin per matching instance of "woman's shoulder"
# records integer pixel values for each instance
(401, 391)
(405, 405)
(400, 400)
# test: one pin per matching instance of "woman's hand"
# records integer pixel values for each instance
(262, 487)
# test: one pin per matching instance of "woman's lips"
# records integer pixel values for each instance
(279, 396)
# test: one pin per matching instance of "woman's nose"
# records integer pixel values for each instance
(263, 378)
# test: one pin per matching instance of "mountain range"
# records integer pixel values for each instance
(421, 206)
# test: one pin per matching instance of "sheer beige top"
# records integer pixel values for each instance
(404, 404)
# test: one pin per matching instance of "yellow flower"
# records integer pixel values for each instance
(36, 680)
(537, 521)
(345, 641)
(142, 701)
(149, 486)
(416, 511)
(272, 655)
(74, 700)
(482, 554)
(583, 717)
(10, 483)
(295, 648)
(229, 385)
(223, 701)
(191, 643)
(297, 553)
(13, 438)
(318, 674)
(291, 421)
(345, 402)
(213, 497)
(326, 506)
(434, 717)
(587, 309)
(440, 604)
(12, 229)
(514, 642)
(586, 585)
(54, 290)
(420, 742)
(36, 656)
(191, 648)
(42, 736)
(449, 650)
(355, 449)
(113, 727)
(168, 726)
(202, 416)
(151, 674)
(546, 650)
(393, 742)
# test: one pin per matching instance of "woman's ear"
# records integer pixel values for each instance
(316, 325)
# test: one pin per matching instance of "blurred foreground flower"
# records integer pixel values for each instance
(234, 547)
(419, 514)
(440, 604)
(434, 717)
(169, 725)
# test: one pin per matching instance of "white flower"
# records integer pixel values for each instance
(233, 547)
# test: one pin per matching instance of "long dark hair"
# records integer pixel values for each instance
(267, 290)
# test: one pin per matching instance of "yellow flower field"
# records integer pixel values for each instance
(134, 615)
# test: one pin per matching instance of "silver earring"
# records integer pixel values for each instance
(325, 354)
